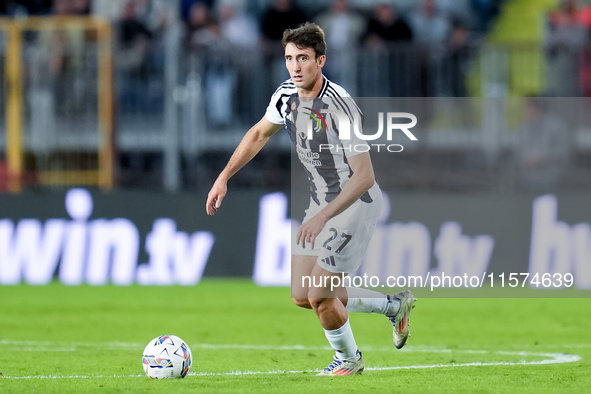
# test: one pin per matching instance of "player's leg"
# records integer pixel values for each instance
(323, 298)
(368, 301)
(334, 319)
(396, 307)
(301, 280)
(358, 227)
(301, 269)
(356, 300)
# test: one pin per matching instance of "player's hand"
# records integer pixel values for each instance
(309, 230)
(215, 197)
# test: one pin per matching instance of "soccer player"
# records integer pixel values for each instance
(345, 200)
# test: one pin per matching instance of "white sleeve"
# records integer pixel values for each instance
(273, 113)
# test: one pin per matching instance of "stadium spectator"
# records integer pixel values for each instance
(484, 11)
(80, 7)
(239, 27)
(566, 37)
(388, 37)
(186, 6)
(155, 14)
(25, 7)
(134, 39)
(456, 61)
(431, 28)
(205, 38)
(343, 26)
(456, 64)
(543, 147)
(241, 30)
(12, 8)
(57, 79)
(386, 27)
(280, 15)
(429, 24)
(108, 9)
(134, 43)
(64, 50)
(198, 20)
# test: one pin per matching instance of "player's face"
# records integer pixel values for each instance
(304, 69)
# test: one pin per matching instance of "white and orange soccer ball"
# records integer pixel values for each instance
(167, 356)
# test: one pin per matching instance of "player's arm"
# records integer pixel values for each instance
(361, 181)
(252, 142)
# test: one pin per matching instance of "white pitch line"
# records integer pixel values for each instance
(550, 358)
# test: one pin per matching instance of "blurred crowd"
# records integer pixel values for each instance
(422, 46)
(268, 18)
(567, 41)
(219, 27)
(412, 48)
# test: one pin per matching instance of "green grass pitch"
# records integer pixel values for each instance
(57, 339)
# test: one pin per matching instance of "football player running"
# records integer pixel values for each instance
(345, 200)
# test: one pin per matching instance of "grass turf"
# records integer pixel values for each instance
(90, 339)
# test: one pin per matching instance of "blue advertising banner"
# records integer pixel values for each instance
(441, 240)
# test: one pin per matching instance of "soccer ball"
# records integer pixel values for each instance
(167, 356)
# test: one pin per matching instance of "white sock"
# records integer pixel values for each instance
(370, 301)
(343, 342)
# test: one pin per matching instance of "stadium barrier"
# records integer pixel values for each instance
(59, 101)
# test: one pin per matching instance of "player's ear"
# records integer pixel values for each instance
(321, 60)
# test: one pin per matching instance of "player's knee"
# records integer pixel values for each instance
(302, 302)
(318, 303)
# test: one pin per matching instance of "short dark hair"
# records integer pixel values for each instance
(308, 35)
